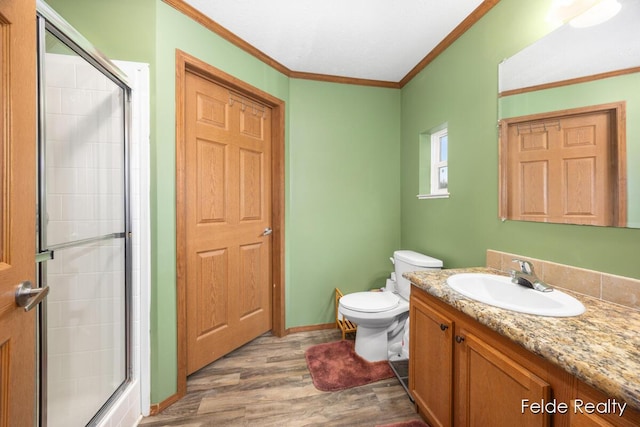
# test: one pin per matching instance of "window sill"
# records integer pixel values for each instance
(433, 196)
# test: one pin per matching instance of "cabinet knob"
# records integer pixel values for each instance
(443, 327)
(459, 339)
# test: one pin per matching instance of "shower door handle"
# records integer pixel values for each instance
(29, 297)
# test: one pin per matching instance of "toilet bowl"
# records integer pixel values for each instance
(375, 313)
(381, 316)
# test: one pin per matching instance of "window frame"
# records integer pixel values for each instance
(430, 145)
(436, 163)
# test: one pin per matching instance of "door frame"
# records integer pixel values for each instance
(187, 63)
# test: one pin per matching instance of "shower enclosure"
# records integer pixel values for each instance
(83, 239)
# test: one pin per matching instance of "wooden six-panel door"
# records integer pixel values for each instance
(17, 216)
(566, 169)
(228, 220)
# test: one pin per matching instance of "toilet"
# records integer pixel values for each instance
(383, 316)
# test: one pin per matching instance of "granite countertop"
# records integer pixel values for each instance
(601, 347)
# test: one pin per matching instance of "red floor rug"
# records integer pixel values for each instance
(336, 366)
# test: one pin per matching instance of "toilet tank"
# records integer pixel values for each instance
(405, 261)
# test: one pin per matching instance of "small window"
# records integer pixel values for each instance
(439, 168)
(434, 168)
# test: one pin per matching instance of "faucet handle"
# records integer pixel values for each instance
(525, 266)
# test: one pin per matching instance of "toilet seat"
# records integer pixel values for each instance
(370, 302)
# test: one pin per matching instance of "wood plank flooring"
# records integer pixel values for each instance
(267, 383)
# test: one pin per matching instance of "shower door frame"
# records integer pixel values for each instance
(49, 21)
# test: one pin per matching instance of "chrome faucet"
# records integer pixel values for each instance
(527, 277)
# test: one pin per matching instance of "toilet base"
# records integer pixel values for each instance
(371, 343)
(374, 341)
(377, 331)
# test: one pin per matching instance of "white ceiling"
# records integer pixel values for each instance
(362, 39)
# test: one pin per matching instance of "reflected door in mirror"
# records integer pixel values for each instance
(564, 168)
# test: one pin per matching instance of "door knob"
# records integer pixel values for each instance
(28, 297)
(267, 231)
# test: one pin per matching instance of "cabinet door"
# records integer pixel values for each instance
(431, 363)
(577, 419)
(492, 387)
(581, 416)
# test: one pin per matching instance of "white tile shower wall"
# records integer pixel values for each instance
(84, 152)
(85, 330)
(85, 199)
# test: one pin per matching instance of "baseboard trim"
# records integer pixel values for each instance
(156, 408)
(309, 328)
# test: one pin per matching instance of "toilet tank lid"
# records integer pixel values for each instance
(417, 259)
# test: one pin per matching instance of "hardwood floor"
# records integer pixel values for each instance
(267, 383)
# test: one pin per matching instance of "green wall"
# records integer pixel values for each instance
(121, 29)
(460, 87)
(344, 216)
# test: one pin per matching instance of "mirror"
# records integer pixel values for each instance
(575, 68)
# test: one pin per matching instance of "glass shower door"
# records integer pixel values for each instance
(83, 233)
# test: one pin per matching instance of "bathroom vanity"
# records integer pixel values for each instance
(473, 364)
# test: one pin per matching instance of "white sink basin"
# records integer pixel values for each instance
(500, 292)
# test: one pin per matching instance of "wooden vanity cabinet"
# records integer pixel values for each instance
(457, 378)
(431, 362)
(461, 373)
(588, 394)
(490, 386)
